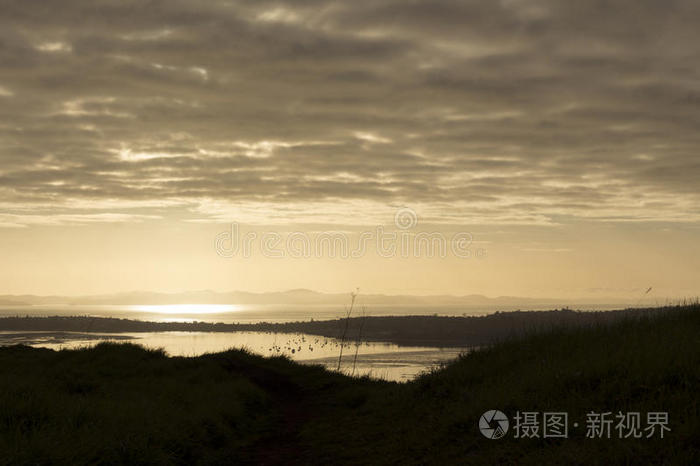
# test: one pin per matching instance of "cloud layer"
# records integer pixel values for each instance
(510, 111)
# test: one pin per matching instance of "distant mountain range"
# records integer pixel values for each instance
(293, 297)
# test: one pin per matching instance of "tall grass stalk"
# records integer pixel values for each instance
(353, 296)
(358, 341)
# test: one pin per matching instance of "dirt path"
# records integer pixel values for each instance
(282, 444)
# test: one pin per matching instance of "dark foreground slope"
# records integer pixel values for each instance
(123, 404)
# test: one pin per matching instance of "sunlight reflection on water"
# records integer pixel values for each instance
(185, 309)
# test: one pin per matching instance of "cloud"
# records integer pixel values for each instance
(19, 221)
(534, 111)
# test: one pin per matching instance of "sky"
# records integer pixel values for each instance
(557, 140)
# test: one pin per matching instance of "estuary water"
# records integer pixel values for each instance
(381, 360)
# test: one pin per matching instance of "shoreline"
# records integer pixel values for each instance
(423, 331)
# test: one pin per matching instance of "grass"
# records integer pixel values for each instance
(122, 404)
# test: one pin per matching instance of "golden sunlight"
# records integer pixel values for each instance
(186, 308)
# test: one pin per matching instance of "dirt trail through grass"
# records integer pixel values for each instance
(281, 445)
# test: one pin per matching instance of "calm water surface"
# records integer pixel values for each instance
(252, 313)
(381, 360)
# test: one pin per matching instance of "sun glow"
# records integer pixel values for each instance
(186, 308)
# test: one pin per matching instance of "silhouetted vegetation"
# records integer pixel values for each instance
(122, 404)
(439, 331)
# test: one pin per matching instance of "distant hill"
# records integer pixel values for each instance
(12, 302)
(296, 297)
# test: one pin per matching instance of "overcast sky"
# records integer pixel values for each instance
(497, 116)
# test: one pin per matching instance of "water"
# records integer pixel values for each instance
(252, 313)
(381, 360)
(389, 361)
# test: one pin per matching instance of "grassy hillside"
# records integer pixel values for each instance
(124, 404)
